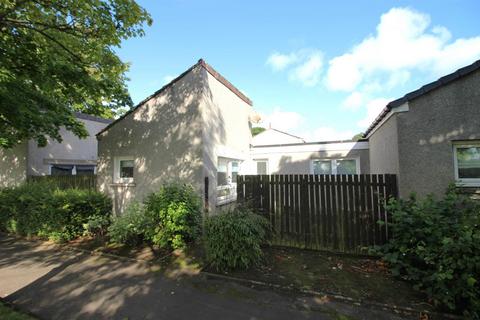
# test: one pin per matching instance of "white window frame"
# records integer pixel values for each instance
(333, 163)
(116, 169)
(464, 182)
(262, 160)
(230, 187)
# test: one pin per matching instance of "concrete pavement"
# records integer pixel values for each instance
(63, 284)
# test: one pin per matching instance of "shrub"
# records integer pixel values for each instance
(42, 210)
(436, 245)
(233, 239)
(96, 226)
(175, 214)
(130, 227)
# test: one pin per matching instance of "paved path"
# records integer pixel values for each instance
(64, 284)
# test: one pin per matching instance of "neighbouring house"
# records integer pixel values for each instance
(195, 127)
(331, 157)
(198, 126)
(431, 137)
(72, 156)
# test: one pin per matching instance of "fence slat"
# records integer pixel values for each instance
(88, 182)
(327, 212)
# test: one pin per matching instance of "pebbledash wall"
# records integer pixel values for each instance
(416, 140)
(13, 165)
(177, 134)
(28, 159)
(71, 151)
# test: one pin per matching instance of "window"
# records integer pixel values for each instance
(61, 170)
(71, 170)
(234, 171)
(85, 170)
(227, 173)
(348, 166)
(335, 166)
(467, 163)
(322, 167)
(222, 172)
(123, 169)
(262, 166)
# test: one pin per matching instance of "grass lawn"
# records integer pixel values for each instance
(7, 313)
(358, 278)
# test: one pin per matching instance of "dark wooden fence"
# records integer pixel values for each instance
(68, 182)
(324, 212)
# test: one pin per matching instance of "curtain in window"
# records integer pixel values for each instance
(62, 170)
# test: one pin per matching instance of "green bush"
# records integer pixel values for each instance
(130, 227)
(175, 215)
(233, 239)
(436, 245)
(96, 226)
(42, 210)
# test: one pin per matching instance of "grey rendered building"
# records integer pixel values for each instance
(431, 137)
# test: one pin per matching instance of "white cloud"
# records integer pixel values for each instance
(278, 61)
(353, 101)
(283, 120)
(403, 42)
(308, 72)
(304, 66)
(374, 107)
(293, 123)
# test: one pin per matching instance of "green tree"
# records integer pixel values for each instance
(358, 136)
(257, 130)
(57, 57)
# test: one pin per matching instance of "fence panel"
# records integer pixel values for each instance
(326, 212)
(68, 182)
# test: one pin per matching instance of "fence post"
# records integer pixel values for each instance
(206, 194)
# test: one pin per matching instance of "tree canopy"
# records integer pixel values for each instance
(57, 57)
(257, 130)
(358, 136)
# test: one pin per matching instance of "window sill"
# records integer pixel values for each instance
(469, 184)
(123, 184)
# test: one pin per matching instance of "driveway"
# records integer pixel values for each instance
(63, 284)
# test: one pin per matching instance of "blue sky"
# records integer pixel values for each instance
(318, 69)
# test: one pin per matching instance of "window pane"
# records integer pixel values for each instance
(346, 167)
(261, 167)
(126, 168)
(222, 172)
(468, 162)
(84, 170)
(221, 178)
(322, 167)
(62, 170)
(234, 171)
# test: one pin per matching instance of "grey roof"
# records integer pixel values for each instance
(84, 116)
(286, 133)
(424, 90)
(308, 143)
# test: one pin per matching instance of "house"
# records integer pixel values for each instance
(72, 156)
(199, 126)
(328, 157)
(430, 137)
(195, 127)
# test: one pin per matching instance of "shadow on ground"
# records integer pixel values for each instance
(79, 286)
